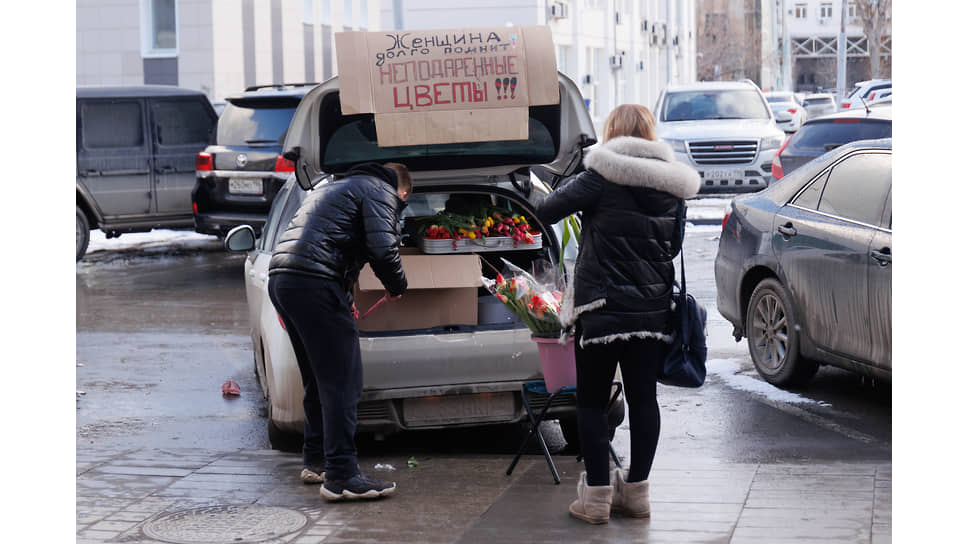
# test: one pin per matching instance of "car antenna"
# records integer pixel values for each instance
(866, 107)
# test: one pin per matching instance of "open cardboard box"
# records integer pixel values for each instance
(442, 290)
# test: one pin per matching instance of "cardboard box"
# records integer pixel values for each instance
(449, 85)
(442, 290)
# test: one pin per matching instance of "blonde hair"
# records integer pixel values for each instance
(630, 120)
(404, 180)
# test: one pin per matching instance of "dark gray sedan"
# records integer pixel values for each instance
(804, 267)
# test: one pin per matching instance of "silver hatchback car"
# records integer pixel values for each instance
(451, 374)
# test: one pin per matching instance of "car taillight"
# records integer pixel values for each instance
(284, 165)
(195, 208)
(847, 121)
(792, 110)
(280, 321)
(776, 167)
(203, 161)
(725, 219)
(845, 105)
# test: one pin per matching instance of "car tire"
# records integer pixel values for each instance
(282, 440)
(83, 234)
(773, 337)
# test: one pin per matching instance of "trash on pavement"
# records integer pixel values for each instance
(412, 462)
(383, 466)
(231, 389)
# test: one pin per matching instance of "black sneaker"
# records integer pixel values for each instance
(360, 486)
(312, 474)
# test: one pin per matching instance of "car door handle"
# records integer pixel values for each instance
(787, 230)
(90, 173)
(883, 255)
(165, 170)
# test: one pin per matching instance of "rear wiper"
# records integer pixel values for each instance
(260, 141)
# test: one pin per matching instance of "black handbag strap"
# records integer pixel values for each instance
(682, 269)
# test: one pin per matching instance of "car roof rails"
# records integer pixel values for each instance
(277, 86)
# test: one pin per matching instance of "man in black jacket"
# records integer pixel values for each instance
(340, 227)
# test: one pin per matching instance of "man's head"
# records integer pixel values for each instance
(404, 181)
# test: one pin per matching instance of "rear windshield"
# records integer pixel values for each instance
(779, 98)
(351, 139)
(726, 104)
(826, 135)
(255, 122)
(818, 101)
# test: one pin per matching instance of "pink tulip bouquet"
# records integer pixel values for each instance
(536, 303)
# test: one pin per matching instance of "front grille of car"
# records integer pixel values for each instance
(723, 152)
(537, 399)
(368, 410)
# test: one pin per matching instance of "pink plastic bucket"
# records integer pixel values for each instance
(557, 362)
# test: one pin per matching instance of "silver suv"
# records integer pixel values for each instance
(723, 129)
(453, 374)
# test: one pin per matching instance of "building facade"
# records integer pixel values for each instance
(617, 51)
(813, 26)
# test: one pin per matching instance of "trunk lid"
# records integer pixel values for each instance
(322, 141)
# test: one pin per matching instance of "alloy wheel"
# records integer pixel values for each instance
(769, 331)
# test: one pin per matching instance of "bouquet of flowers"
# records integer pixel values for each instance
(536, 302)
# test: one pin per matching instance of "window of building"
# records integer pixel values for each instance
(348, 14)
(800, 11)
(325, 12)
(851, 10)
(309, 17)
(826, 11)
(112, 124)
(159, 29)
(562, 57)
(364, 15)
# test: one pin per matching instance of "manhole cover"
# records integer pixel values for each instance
(226, 524)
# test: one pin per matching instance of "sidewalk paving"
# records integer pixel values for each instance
(185, 496)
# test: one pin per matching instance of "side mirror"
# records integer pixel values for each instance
(240, 238)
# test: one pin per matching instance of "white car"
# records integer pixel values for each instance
(820, 104)
(723, 129)
(447, 375)
(788, 110)
(864, 92)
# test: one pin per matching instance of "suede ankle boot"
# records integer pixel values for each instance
(630, 499)
(594, 502)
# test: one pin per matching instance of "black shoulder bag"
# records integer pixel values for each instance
(685, 365)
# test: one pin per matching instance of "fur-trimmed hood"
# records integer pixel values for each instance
(638, 162)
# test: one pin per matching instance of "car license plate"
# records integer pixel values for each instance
(482, 407)
(245, 186)
(722, 174)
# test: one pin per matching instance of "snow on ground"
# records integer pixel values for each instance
(728, 370)
(156, 239)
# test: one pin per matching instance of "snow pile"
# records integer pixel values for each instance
(728, 370)
(156, 239)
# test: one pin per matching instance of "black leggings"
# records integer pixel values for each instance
(596, 370)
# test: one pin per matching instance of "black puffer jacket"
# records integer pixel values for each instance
(343, 225)
(629, 198)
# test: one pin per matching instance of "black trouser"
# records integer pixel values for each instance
(317, 316)
(596, 371)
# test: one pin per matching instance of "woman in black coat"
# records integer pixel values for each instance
(620, 298)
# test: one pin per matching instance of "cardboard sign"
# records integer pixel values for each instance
(447, 86)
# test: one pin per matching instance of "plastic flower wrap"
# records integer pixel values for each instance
(535, 299)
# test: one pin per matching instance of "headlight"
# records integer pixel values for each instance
(677, 145)
(772, 142)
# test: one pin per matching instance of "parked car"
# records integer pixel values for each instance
(864, 92)
(136, 148)
(803, 269)
(825, 133)
(818, 105)
(449, 374)
(788, 110)
(241, 172)
(725, 130)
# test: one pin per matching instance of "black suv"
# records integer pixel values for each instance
(136, 149)
(239, 175)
